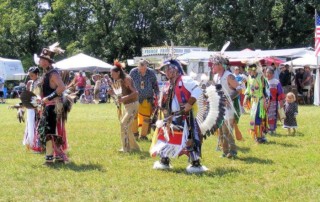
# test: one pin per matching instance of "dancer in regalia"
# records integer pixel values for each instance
(256, 92)
(178, 133)
(231, 90)
(275, 100)
(52, 122)
(31, 137)
(126, 94)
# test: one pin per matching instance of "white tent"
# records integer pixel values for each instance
(83, 62)
(310, 60)
(205, 55)
(10, 69)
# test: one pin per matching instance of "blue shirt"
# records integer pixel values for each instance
(146, 85)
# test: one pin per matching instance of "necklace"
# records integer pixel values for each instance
(142, 82)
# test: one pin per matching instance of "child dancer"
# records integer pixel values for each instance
(291, 111)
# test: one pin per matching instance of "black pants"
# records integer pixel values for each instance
(51, 120)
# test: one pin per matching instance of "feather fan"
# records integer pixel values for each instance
(211, 110)
(29, 99)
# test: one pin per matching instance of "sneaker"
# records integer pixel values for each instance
(49, 161)
(195, 163)
(136, 135)
(163, 164)
(196, 167)
(144, 138)
(232, 154)
(223, 155)
(261, 140)
(58, 159)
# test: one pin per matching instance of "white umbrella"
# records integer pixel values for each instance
(83, 62)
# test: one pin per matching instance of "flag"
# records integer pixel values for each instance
(317, 34)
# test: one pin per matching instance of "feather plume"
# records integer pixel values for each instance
(20, 115)
(36, 59)
(118, 64)
(55, 48)
(225, 46)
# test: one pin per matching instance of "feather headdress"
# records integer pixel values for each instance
(171, 61)
(220, 58)
(118, 64)
(50, 52)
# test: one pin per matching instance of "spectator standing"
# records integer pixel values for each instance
(285, 78)
(307, 81)
(80, 81)
(298, 80)
(276, 71)
(1, 89)
(146, 83)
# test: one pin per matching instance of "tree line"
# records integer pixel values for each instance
(110, 29)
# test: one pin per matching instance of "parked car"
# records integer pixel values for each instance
(16, 91)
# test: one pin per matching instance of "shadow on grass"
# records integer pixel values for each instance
(281, 144)
(144, 155)
(244, 149)
(78, 167)
(252, 160)
(217, 172)
(298, 133)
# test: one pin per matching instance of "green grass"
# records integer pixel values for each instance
(285, 169)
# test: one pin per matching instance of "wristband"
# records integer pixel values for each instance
(52, 96)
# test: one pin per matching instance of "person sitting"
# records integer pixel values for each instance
(86, 97)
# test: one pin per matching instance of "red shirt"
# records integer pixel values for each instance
(81, 81)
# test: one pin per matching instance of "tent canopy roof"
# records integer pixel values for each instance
(83, 62)
(310, 60)
(246, 54)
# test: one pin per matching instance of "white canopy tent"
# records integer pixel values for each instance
(205, 55)
(83, 62)
(310, 60)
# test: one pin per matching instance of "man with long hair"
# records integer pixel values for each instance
(128, 96)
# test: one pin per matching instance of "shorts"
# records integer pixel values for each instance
(1, 93)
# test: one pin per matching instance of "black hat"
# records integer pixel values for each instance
(49, 53)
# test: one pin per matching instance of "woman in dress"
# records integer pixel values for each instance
(31, 137)
(276, 98)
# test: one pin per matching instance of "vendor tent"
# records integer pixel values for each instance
(310, 60)
(245, 54)
(83, 62)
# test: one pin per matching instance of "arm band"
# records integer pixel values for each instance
(52, 96)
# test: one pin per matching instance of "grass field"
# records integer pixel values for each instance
(287, 168)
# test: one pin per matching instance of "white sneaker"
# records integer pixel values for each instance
(196, 169)
(160, 166)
